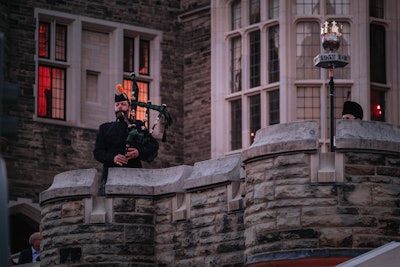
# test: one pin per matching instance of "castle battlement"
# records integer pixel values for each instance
(280, 200)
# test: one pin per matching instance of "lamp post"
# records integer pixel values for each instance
(331, 34)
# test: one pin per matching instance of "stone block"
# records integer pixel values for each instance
(367, 135)
(71, 183)
(283, 138)
(215, 171)
(131, 181)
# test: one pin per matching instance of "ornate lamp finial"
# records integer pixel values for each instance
(330, 35)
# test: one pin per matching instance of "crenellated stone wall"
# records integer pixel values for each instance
(304, 204)
(179, 216)
(281, 200)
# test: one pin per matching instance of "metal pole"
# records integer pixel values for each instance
(332, 109)
(4, 246)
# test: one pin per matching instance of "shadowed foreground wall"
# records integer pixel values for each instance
(288, 204)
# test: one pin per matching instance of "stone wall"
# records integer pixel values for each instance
(304, 204)
(41, 150)
(179, 216)
(196, 34)
(289, 202)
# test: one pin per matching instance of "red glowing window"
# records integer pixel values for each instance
(44, 40)
(51, 92)
(144, 59)
(143, 56)
(377, 105)
(61, 42)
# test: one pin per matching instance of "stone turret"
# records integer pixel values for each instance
(280, 201)
(302, 204)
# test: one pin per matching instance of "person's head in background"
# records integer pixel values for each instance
(35, 240)
(352, 111)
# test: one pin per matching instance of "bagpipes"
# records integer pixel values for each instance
(139, 136)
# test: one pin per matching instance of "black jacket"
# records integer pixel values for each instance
(25, 256)
(111, 140)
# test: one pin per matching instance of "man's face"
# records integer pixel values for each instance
(121, 107)
(349, 117)
(36, 242)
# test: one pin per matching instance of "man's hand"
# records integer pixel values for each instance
(132, 153)
(120, 160)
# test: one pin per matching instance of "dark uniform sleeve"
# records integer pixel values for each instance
(100, 152)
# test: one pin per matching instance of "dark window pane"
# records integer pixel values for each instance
(273, 60)
(236, 16)
(273, 9)
(129, 54)
(254, 11)
(255, 116)
(236, 124)
(376, 8)
(255, 59)
(273, 97)
(377, 53)
(236, 68)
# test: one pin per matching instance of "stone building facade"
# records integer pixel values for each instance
(190, 72)
(41, 148)
(280, 203)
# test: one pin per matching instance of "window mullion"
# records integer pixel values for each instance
(263, 56)
(245, 121)
(53, 40)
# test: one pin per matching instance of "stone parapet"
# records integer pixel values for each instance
(75, 183)
(209, 172)
(374, 136)
(150, 182)
(281, 201)
(148, 217)
(303, 204)
(283, 139)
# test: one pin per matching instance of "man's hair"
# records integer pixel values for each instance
(33, 237)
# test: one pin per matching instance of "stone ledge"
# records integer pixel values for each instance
(71, 184)
(367, 135)
(128, 181)
(210, 172)
(283, 138)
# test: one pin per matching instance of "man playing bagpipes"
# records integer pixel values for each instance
(126, 141)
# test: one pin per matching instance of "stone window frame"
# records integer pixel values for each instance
(75, 83)
(239, 88)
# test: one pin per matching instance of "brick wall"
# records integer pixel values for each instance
(196, 34)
